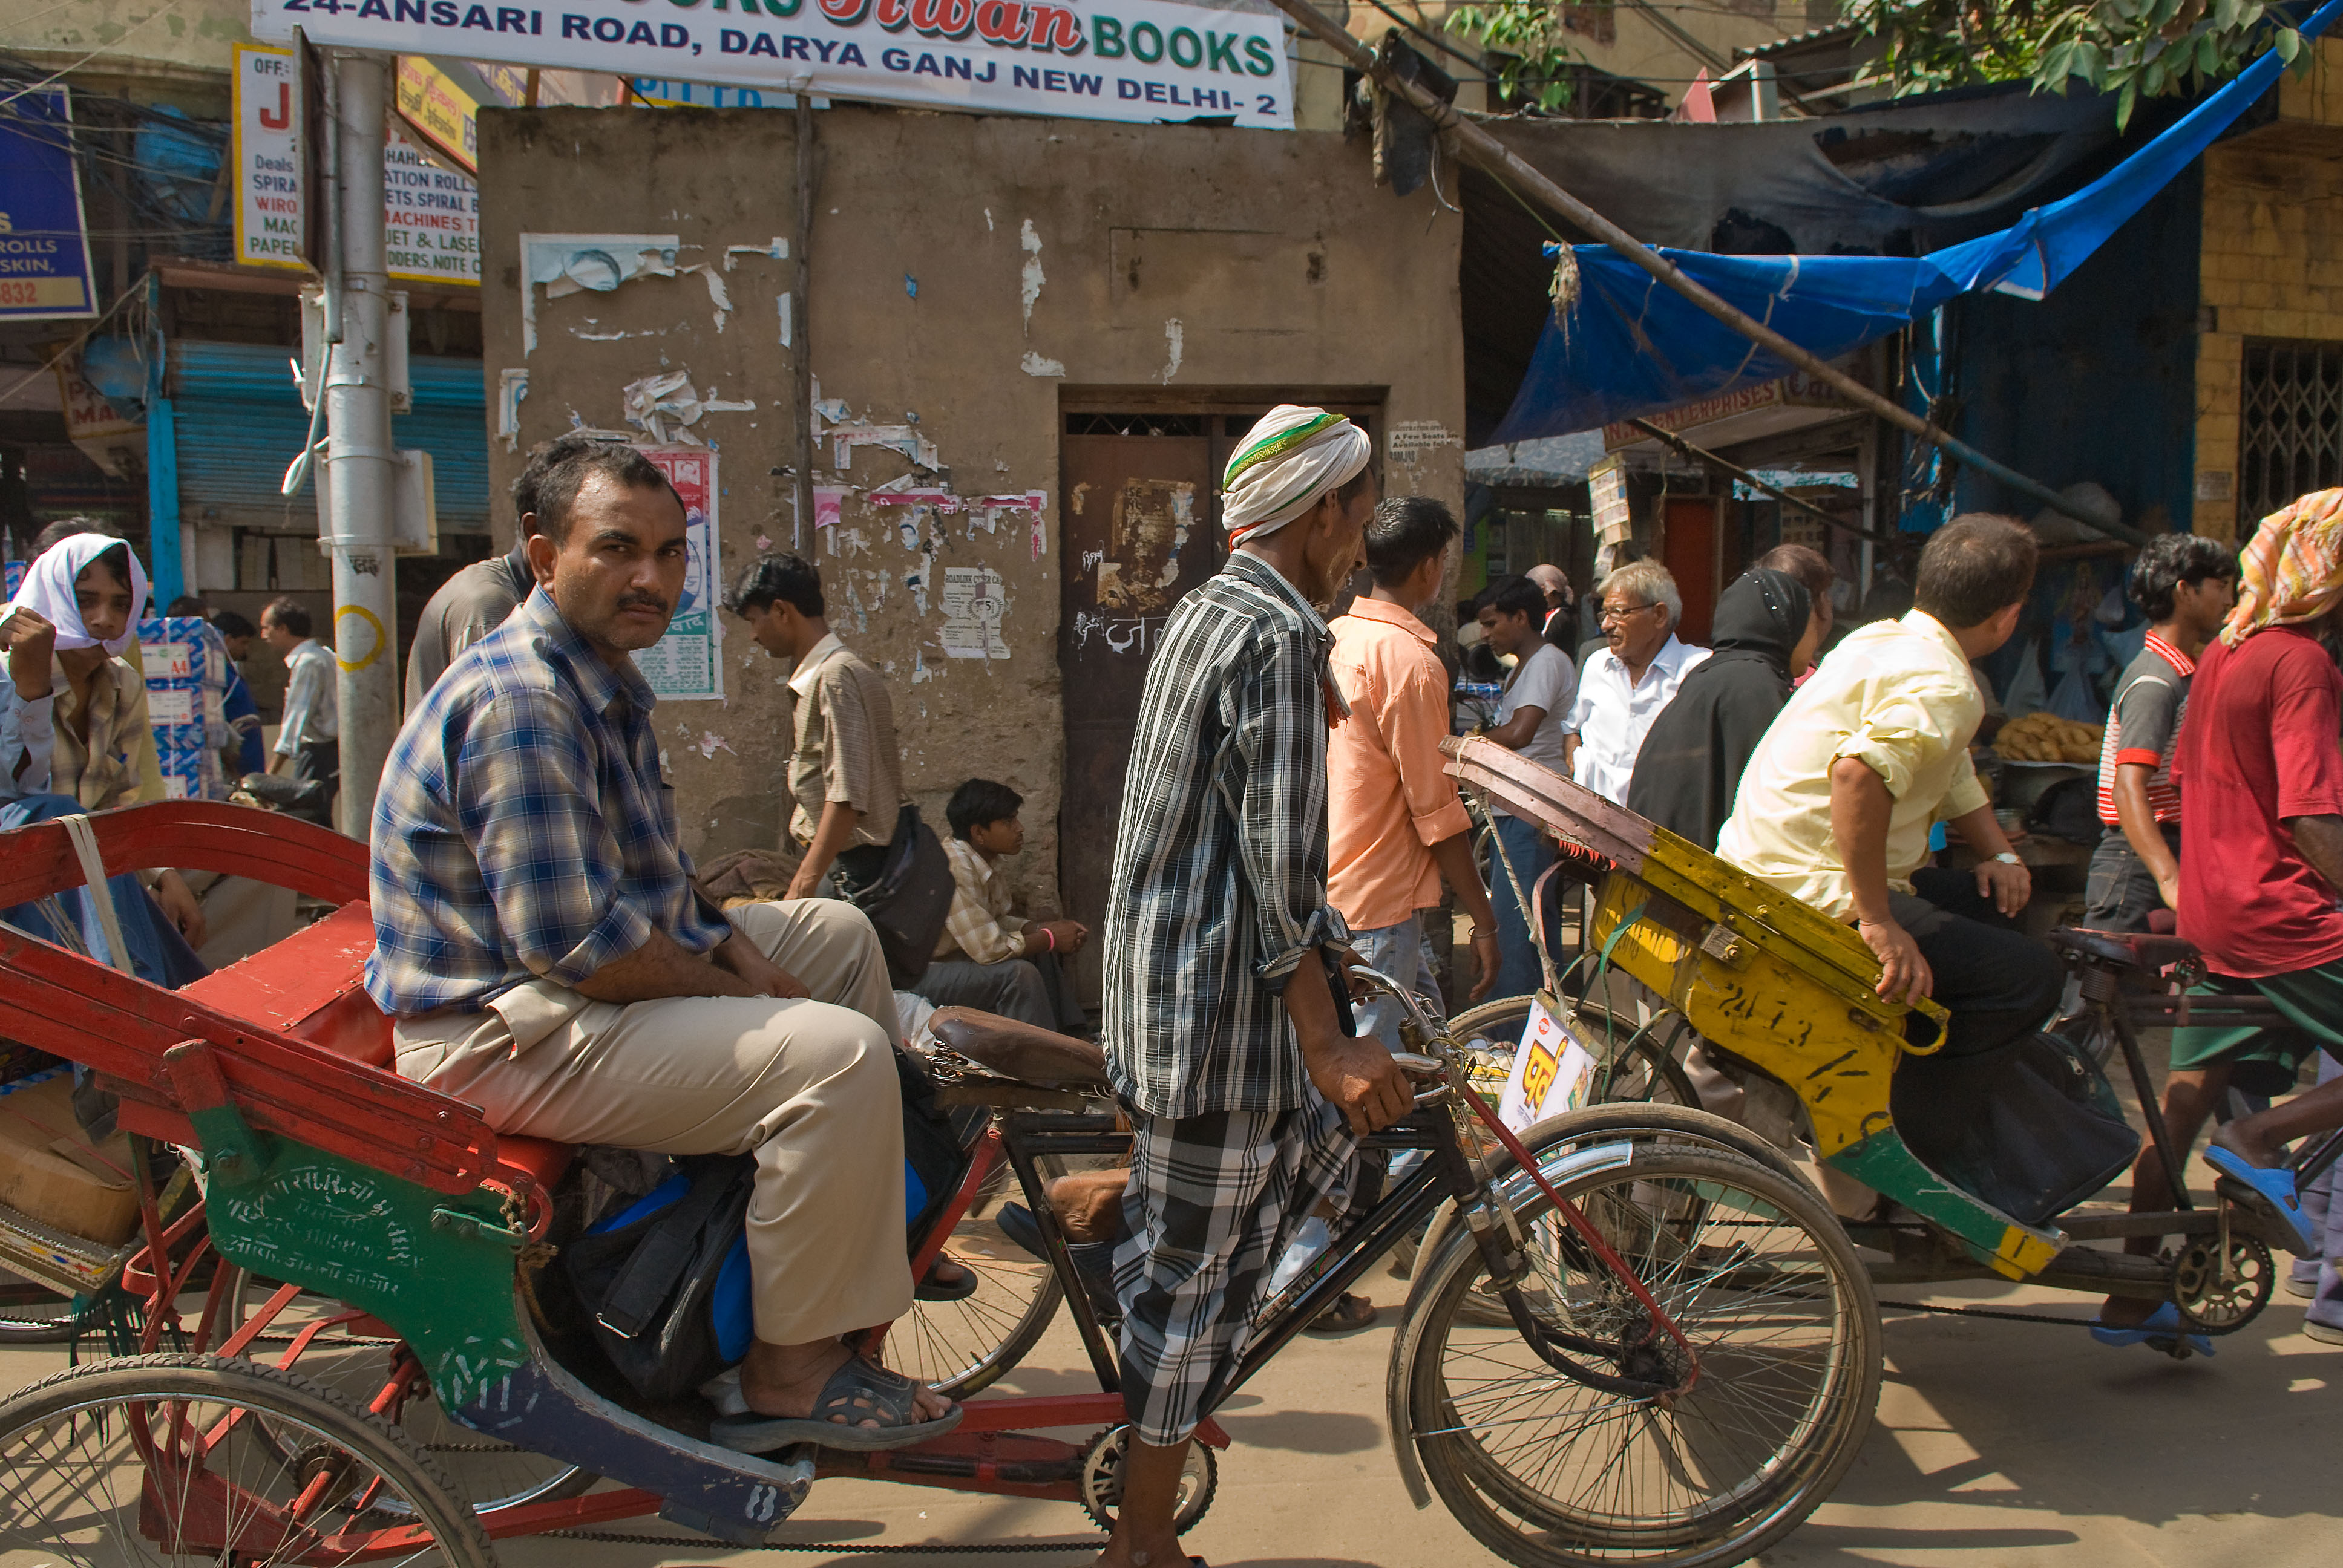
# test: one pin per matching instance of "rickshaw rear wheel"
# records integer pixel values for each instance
(192, 1448)
(1550, 1474)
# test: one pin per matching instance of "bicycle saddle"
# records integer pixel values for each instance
(2131, 949)
(1039, 1056)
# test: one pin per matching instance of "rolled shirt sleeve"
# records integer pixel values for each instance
(32, 736)
(527, 794)
(847, 775)
(1416, 722)
(971, 926)
(1273, 781)
(1899, 737)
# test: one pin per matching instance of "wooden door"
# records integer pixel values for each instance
(1688, 549)
(1141, 527)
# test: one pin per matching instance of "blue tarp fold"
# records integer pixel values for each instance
(1635, 346)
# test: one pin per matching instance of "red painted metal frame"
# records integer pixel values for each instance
(90, 1013)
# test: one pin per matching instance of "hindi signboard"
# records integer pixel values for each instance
(1139, 61)
(687, 664)
(44, 269)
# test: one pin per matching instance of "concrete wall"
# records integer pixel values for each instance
(152, 38)
(967, 271)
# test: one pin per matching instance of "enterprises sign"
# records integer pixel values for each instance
(44, 270)
(1141, 61)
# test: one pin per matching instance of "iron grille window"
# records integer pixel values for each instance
(1135, 424)
(2290, 439)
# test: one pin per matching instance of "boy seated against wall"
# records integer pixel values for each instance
(989, 958)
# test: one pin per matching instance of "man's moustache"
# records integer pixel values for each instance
(642, 602)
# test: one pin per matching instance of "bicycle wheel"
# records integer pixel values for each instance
(1549, 1473)
(959, 1347)
(1638, 1068)
(358, 1366)
(156, 1458)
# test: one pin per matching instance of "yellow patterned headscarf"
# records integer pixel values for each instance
(2293, 569)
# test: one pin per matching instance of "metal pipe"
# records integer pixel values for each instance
(801, 322)
(1501, 160)
(359, 462)
(1701, 455)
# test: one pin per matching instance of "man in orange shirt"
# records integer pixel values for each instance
(1396, 825)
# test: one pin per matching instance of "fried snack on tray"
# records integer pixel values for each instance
(2044, 736)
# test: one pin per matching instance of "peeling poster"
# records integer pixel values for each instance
(973, 606)
(686, 665)
(1147, 531)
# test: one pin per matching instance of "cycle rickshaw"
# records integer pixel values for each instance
(1636, 1334)
(1775, 986)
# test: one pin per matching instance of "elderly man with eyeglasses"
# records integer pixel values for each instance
(1623, 688)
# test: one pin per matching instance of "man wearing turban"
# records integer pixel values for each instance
(1246, 1096)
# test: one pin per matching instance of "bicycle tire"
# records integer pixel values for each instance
(958, 1348)
(344, 1432)
(1637, 1200)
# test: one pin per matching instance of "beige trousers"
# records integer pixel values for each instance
(808, 1085)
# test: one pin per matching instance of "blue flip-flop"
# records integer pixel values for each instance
(2161, 1329)
(2269, 1188)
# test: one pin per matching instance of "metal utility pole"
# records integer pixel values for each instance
(359, 461)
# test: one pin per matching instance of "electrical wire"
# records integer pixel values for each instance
(136, 291)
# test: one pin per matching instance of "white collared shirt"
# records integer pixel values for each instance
(309, 698)
(1611, 714)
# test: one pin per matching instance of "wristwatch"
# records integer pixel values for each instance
(2007, 859)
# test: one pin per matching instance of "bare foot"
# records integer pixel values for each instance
(2238, 1138)
(1089, 1204)
(2125, 1312)
(785, 1381)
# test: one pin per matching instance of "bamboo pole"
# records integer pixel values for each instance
(1501, 160)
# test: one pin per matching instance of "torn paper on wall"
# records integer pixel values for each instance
(777, 249)
(1411, 439)
(665, 406)
(1030, 282)
(973, 606)
(1034, 365)
(1147, 531)
(512, 391)
(901, 439)
(567, 264)
(1175, 346)
(718, 294)
(829, 504)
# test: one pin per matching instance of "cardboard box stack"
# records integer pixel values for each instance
(53, 1173)
(174, 652)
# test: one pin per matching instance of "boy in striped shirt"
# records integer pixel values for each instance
(2186, 584)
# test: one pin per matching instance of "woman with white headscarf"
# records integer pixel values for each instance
(73, 711)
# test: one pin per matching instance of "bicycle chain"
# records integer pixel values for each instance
(837, 1549)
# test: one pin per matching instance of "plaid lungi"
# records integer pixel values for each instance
(1212, 1202)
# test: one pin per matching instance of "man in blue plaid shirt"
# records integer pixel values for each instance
(544, 956)
(1245, 1096)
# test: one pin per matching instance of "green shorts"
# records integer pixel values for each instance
(2264, 1062)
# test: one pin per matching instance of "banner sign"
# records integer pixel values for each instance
(44, 270)
(1141, 61)
(432, 214)
(687, 664)
(437, 108)
(1552, 1072)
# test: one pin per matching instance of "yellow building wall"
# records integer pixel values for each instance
(2270, 263)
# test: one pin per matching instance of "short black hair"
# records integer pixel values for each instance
(979, 801)
(789, 579)
(1974, 568)
(186, 604)
(566, 473)
(1405, 532)
(541, 459)
(288, 613)
(1514, 596)
(2168, 560)
(66, 528)
(228, 623)
(115, 558)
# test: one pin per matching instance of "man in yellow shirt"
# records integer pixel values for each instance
(1836, 804)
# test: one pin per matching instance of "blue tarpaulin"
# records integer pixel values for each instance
(1635, 346)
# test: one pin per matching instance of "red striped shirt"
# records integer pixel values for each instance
(2163, 795)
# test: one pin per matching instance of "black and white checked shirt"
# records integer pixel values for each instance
(1220, 863)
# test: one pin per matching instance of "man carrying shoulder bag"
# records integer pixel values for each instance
(848, 813)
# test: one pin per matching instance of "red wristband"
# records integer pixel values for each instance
(1052, 936)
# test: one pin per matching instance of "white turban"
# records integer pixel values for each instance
(1286, 464)
(48, 587)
